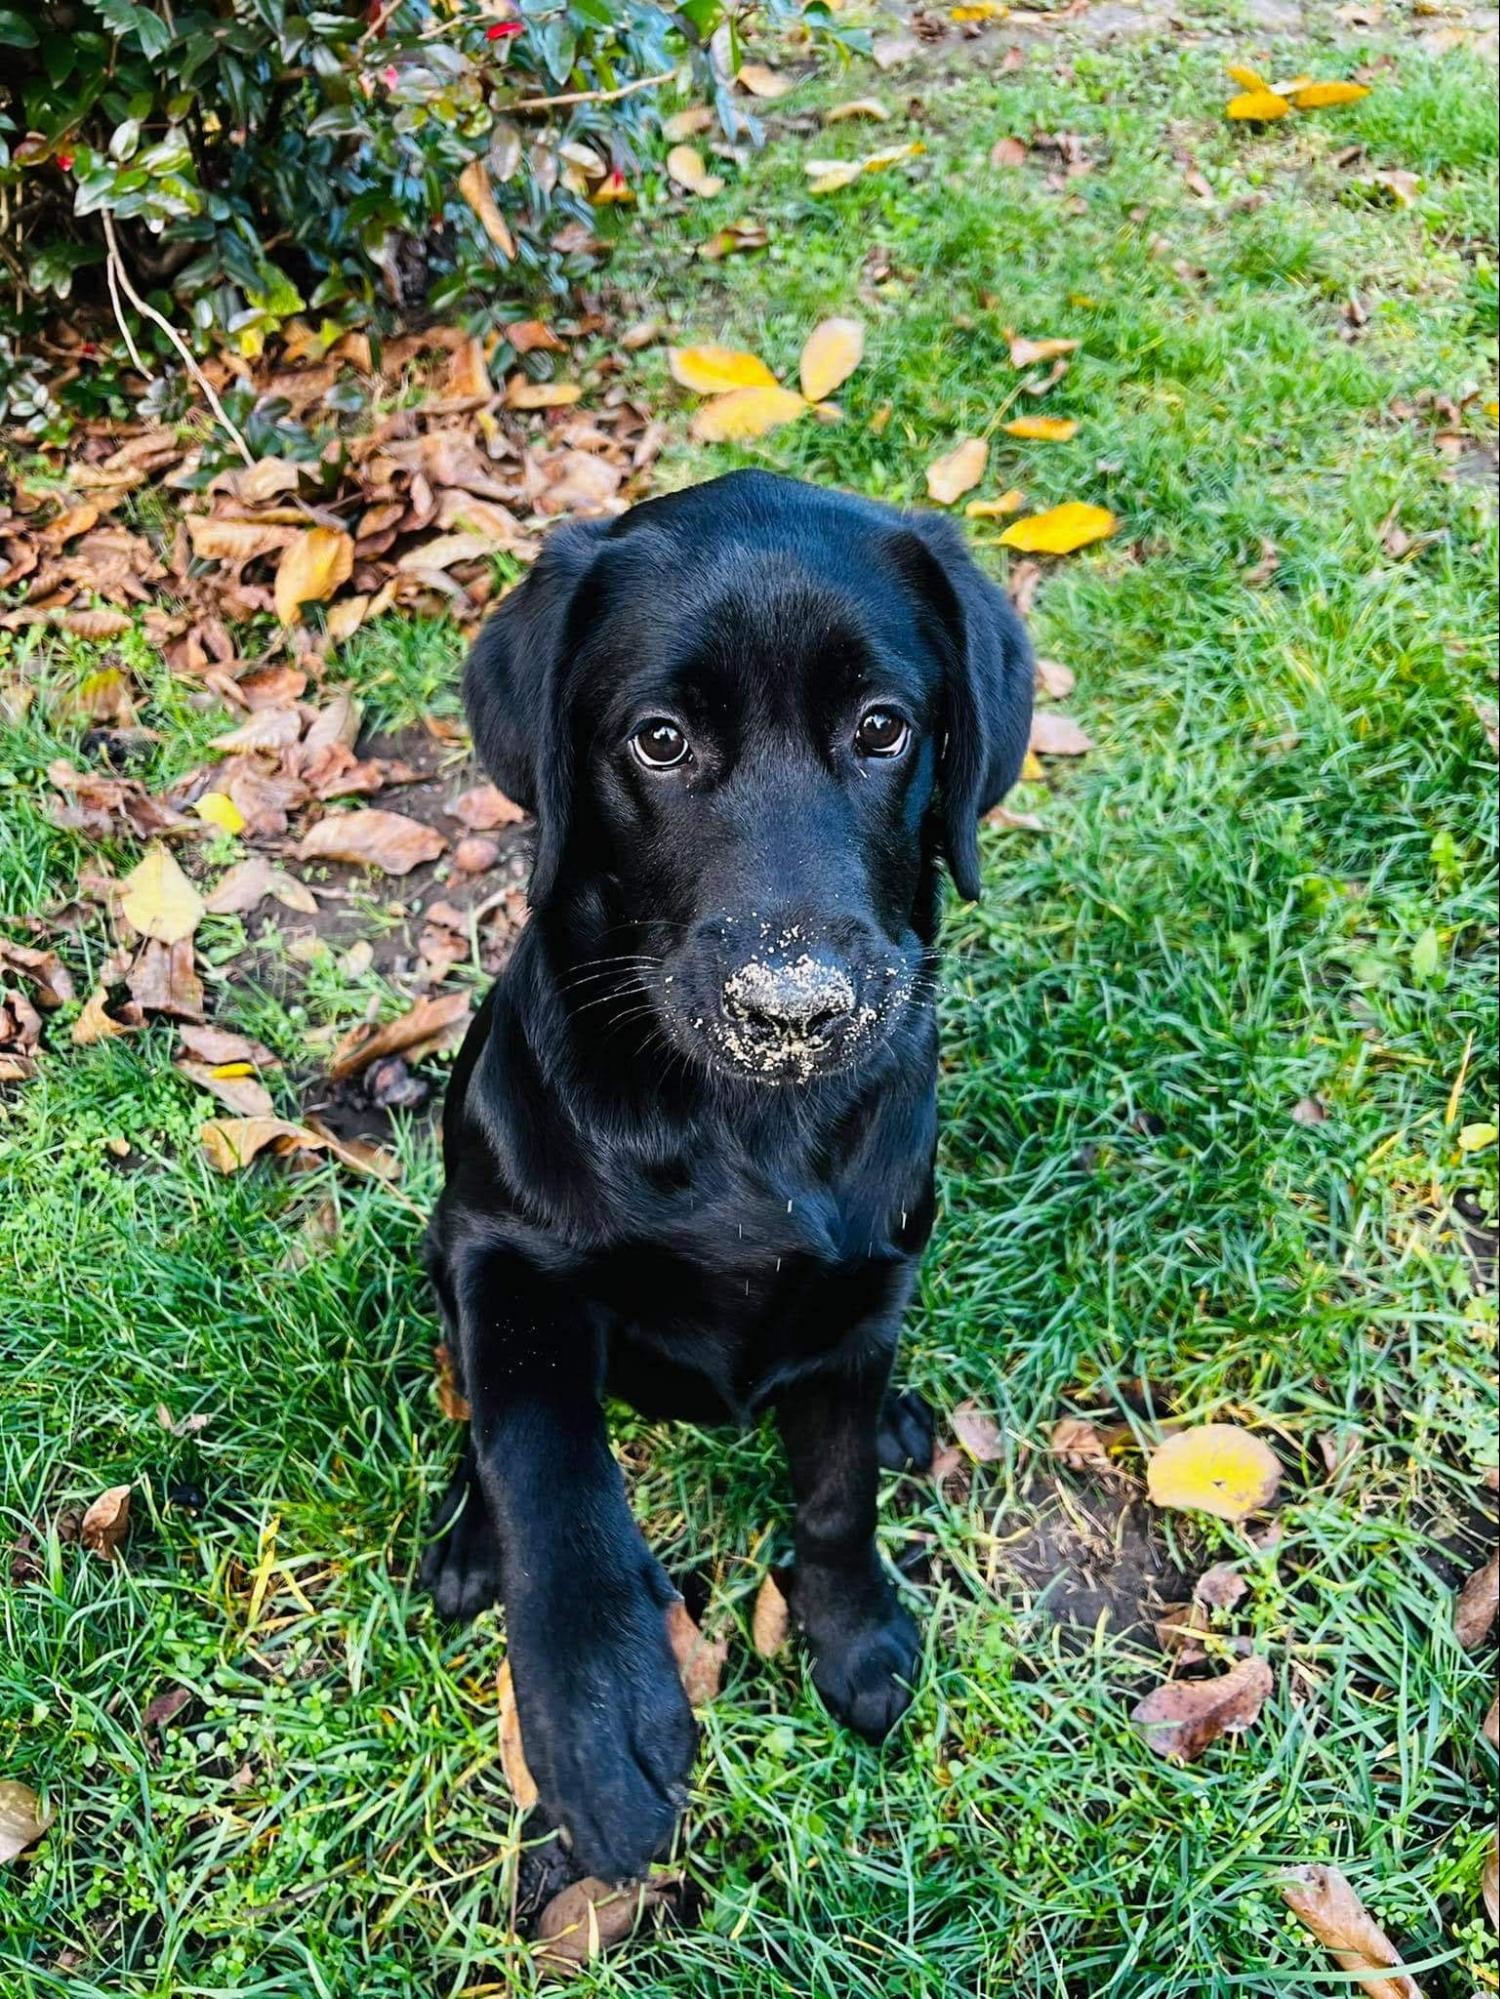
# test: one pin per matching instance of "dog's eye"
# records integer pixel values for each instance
(659, 744)
(881, 734)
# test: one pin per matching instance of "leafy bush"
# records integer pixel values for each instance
(256, 161)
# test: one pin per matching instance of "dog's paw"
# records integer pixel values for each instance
(461, 1563)
(904, 1437)
(865, 1651)
(610, 1738)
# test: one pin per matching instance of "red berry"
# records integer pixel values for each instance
(65, 162)
(504, 31)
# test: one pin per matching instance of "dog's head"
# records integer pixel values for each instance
(749, 718)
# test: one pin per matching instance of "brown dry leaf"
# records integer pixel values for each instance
(1078, 1444)
(232, 1143)
(1220, 1587)
(234, 1084)
(521, 394)
(23, 1819)
(958, 471)
(685, 167)
(979, 1433)
(1489, 1880)
(253, 485)
(158, 900)
(235, 542)
(763, 81)
(1309, 1111)
(700, 1660)
(830, 356)
(1026, 353)
(714, 371)
(1009, 153)
(44, 971)
(589, 1917)
(687, 124)
(97, 1023)
(372, 839)
(451, 1400)
(248, 883)
(1180, 1719)
(1061, 529)
(1490, 1727)
(312, 566)
(358, 1154)
(430, 1024)
(857, 107)
(1042, 429)
(106, 1523)
(1013, 822)
(746, 413)
(1054, 679)
(518, 1778)
(163, 979)
(1322, 1898)
(1213, 1468)
(770, 1620)
(484, 808)
(1478, 1600)
(1054, 734)
(474, 186)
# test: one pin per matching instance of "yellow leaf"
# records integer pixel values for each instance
(1247, 79)
(521, 394)
(1061, 529)
(832, 175)
(1026, 353)
(712, 371)
(746, 413)
(1033, 770)
(1313, 96)
(763, 81)
(857, 107)
(1010, 502)
(1257, 107)
(832, 353)
(1214, 1468)
(958, 471)
(685, 166)
(1477, 1137)
(217, 808)
(311, 568)
(159, 900)
(888, 156)
(474, 186)
(1043, 429)
(978, 10)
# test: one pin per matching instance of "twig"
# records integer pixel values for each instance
(591, 96)
(118, 275)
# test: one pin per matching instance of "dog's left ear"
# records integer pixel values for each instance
(514, 692)
(990, 683)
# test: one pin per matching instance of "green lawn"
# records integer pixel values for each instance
(1273, 878)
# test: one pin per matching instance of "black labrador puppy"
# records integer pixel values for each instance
(689, 1139)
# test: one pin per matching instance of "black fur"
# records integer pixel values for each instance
(689, 1139)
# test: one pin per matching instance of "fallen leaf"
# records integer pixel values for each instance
(1180, 1719)
(373, 839)
(1009, 153)
(430, 1024)
(713, 371)
(857, 107)
(1042, 429)
(1014, 822)
(230, 1144)
(311, 568)
(164, 979)
(23, 1819)
(1026, 353)
(741, 234)
(44, 971)
(485, 807)
(521, 394)
(1478, 1600)
(1220, 1587)
(1322, 1898)
(1213, 1468)
(1257, 107)
(1054, 734)
(474, 186)
(687, 124)
(979, 1433)
(958, 471)
(1313, 96)
(1490, 1727)
(1309, 1111)
(451, 1400)
(165, 1707)
(243, 1094)
(700, 1660)
(1078, 1444)
(770, 1619)
(97, 1023)
(1245, 77)
(830, 356)
(158, 899)
(746, 413)
(1401, 185)
(763, 81)
(1009, 502)
(1054, 679)
(222, 1046)
(1061, 529)
(519, 1780)
(217, 809)
(685, 166)
(105, 1524)
(828, 176)
(892, 51)
(588, 1917)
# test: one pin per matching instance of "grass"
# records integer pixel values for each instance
(1273, 878)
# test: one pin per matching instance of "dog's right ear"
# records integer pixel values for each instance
(513, 688)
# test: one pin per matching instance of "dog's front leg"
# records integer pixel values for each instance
(864, 1646)
(608, 1733)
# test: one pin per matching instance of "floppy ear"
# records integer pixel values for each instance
(990, 680)
(513, 689)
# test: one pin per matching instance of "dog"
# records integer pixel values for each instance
(689, 1138)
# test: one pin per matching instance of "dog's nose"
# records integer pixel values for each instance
(802, 1000)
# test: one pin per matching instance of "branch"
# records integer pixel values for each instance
(591, 96)
(119, 280)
